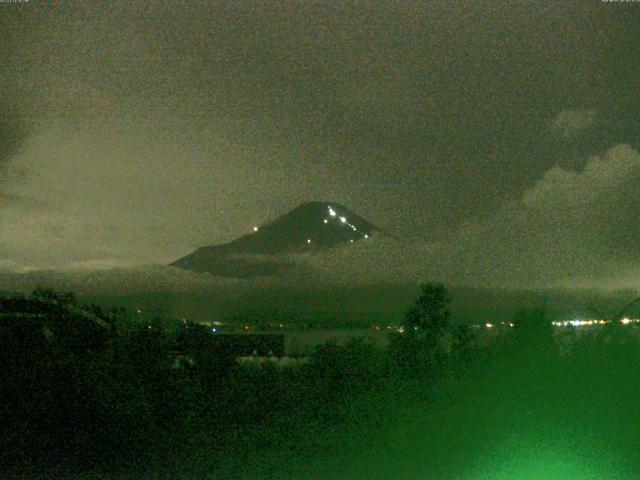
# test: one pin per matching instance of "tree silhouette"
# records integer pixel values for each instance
(429, 316)
(420, 348)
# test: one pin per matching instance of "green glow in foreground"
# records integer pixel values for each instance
(541, 469)
(560, 463)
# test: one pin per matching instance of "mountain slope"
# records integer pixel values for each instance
(312, 226)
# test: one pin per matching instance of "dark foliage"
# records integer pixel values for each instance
(142, 397)
(426, 341)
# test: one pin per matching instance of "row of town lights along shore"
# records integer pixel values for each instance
(583, 323)
(332, 213)
(569, 323)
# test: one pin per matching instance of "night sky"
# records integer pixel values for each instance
(502, 135)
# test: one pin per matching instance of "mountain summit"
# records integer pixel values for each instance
(312, 226)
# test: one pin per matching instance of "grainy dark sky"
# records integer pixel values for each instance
(135, 131)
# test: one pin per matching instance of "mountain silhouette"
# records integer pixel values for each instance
(312, 226)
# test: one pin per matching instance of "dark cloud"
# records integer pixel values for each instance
(14, 120)
(160, 127)
(13, 133)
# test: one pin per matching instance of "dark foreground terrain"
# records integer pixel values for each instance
(142, 402)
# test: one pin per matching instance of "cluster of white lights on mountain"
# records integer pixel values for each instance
(333, 214)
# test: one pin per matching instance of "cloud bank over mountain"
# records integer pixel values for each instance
(571, 228)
